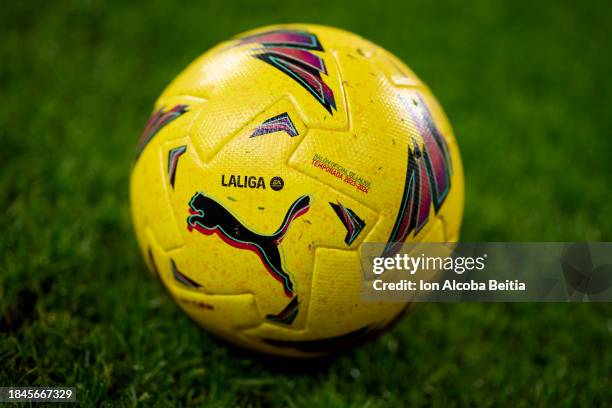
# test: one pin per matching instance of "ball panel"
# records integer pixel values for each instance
(149, 198)
(199, 79)
(396, 72)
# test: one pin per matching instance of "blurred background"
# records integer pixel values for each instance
(527, 88)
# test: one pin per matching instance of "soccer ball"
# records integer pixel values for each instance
(266, 165)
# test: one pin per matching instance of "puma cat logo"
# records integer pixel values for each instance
(208, 217)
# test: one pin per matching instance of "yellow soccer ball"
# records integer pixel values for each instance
(265, 166)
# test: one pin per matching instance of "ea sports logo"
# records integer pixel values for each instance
(276, 183)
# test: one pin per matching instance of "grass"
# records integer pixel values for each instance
(527, 88)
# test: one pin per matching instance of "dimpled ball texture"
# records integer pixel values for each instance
(268, 163)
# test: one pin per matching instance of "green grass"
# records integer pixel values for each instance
(527, 87)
